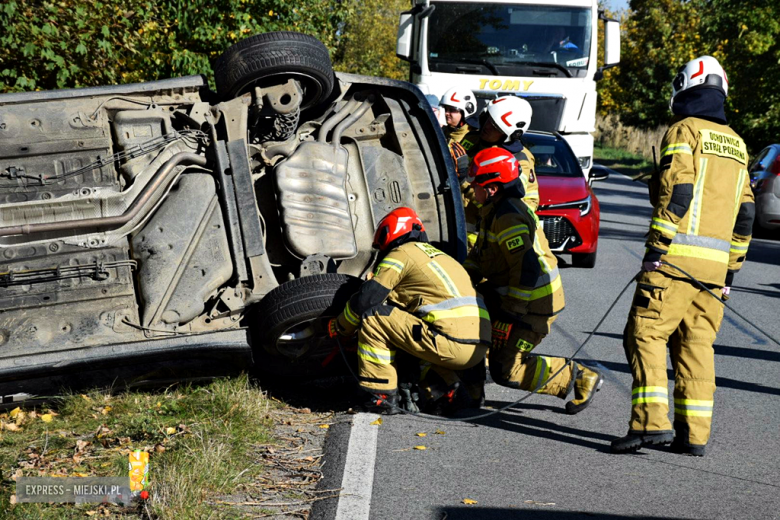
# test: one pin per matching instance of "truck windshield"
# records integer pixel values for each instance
(509, 39)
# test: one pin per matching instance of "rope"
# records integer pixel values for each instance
(697, 282)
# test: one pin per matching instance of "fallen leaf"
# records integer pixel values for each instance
(32, 415)
(420, 448)
(377, 422)
(170, 430)
(469, 501)
(305, 410)
(47, 417)
(105, 410)
(13, 499)
(534, 502)
(11, 427)
(439, 432)
(421, 434)
(324, 426)
(86, 397)
(13, 413)
(80, 445)
(91, 513)
(159, 448)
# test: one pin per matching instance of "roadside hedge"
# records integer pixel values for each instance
(77, 43)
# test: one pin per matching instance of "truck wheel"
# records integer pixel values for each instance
(586, 260)
(290, 323)
(271, 59)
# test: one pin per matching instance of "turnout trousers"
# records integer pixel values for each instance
(675, 312)
(386, 329)
(512, 364)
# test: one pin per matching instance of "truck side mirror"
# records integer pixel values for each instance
(611, 43)
(403, 47)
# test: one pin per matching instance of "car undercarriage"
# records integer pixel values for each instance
(160, 231)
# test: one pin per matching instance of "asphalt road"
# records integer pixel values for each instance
(534, 461)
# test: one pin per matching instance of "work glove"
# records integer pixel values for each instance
(651, 266)
(501, 331)
(335, 330)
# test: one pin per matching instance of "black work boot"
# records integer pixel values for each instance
(409, 397)
(681, 444)
(587, 382)
(381, 401)
(635, 440)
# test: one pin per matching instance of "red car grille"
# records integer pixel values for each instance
(557, 230)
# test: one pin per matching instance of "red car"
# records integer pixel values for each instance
(567, 205)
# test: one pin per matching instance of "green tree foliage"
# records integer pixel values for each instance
(369, 38)
(659, 36)
(74, 43)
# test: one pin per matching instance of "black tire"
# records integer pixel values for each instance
(305, 305)
(270, 59)
(586, 260)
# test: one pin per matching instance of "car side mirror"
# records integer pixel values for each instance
(598, 174)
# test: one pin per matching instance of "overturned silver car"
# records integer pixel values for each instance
(160, 230)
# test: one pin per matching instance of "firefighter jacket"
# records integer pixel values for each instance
(703, 205)
(513, 255)
(525, 161)
(425, 282)
(456, 133)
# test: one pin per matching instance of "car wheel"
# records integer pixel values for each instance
(586, 260)
(290, 323)
(272, 58)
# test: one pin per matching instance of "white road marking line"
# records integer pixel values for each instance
(358, 481)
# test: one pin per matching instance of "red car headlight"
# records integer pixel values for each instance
(583, 205)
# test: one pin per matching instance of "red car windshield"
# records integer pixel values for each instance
(553, 157)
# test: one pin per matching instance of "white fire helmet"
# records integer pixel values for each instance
(511, 115)
(461, 98)
(703, 72)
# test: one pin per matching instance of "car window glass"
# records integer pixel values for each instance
(759, 163)
(552, 157)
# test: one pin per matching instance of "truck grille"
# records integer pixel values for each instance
(557, 230)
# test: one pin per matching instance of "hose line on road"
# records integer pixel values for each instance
(568, 360)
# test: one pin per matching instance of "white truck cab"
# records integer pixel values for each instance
(542, 50)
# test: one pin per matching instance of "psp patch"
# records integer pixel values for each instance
(514, 243)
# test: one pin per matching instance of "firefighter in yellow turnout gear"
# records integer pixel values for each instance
(523, 290)
(702, 222)
(419, 301)
(502, 124)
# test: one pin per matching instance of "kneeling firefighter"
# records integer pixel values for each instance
(420, 301)
(523, 289)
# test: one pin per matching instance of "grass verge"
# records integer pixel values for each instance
(200, 440)
(622, 161)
